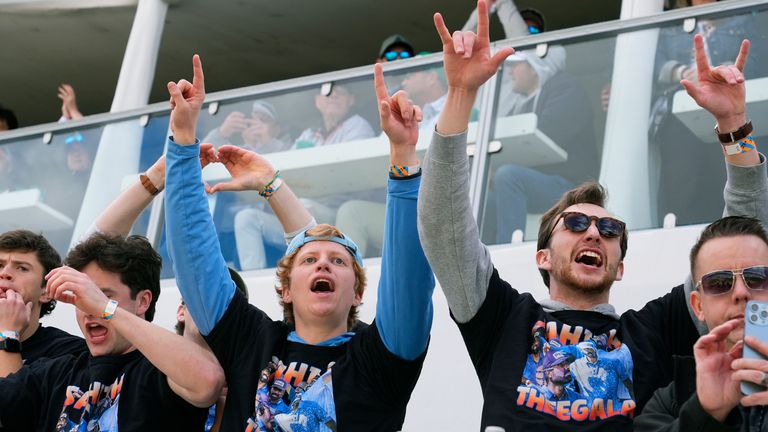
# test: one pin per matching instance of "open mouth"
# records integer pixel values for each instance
(322, 286)
(96, 333)
(590, 258)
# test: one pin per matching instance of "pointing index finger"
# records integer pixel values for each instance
(482, 20)
(702, 61)
(198, 79)
(378, 83)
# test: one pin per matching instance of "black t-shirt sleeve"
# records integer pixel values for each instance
(241, 321)
(22, 395)
(481, 334)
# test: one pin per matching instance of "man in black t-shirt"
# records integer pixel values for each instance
(136, 376)
(580, 253)
(25, 259)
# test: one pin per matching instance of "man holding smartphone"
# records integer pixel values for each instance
(729, 263)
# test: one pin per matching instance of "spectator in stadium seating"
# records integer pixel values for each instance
(69, 109)
(395, 47)
(339, 123)
(541, 86)
(8, 119)
(261, 132)
(25, 259)
(730, 263)
(578, 261)
(353, 367)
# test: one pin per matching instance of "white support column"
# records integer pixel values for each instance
(625, 166)
(120, 145)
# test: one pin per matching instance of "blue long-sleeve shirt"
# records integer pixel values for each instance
(404, 308)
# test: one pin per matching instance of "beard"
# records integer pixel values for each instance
(564, 273)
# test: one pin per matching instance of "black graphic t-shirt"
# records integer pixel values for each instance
(571, 369)
(83, 393)
(51, 342)
(280, 385)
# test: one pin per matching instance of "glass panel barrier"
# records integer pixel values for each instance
(44, 184)
(549, 123)
(327, 144)
(689, 175)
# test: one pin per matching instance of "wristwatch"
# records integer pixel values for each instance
(738, 134)
(10, 345)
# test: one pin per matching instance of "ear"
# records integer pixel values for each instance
(286, 293)
(696, 305)
(358, 299)
(620, 271)
(180, 313)
(543, 259)
(318, 100)
(143, 300)
(44, 298)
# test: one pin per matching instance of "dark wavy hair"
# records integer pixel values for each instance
(131, 258)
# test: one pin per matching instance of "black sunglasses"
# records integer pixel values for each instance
(608, 227)
(722, 281)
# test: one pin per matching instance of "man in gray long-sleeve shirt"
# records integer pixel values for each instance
(630, 355)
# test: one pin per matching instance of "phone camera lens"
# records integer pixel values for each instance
(753, 318)
(754, 307)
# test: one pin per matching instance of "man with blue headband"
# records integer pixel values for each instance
(361, 376)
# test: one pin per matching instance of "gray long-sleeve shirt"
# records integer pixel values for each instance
(451, 240)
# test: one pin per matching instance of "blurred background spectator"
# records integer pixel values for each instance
(8, 119)
(339, 123)
(395, 47)
(260, 132)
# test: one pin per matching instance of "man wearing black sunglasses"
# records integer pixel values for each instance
(580, 254)
(730, 264)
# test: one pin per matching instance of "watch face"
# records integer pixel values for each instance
(10, 345)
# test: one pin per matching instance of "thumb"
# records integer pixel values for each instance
(500, 56)
(222, 187)
(691, 88)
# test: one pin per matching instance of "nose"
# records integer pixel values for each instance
(592, 232)
(5, 273)
(740, 290)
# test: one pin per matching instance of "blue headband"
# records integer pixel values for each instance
(302, 239)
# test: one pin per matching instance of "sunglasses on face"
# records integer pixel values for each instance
(394, 55)
(577, 222)
(722, 281)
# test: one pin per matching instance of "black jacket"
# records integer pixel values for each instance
(676, 408)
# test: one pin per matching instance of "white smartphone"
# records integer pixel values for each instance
(755, 325)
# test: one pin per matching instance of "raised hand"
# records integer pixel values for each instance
(399, 119)
(249, 170)
(69, 102)
(71, 286)
(717, 390)
(186, 100)
(156, 172)
(14, 314)
(720, 90)
(466, 55)
(235, 122)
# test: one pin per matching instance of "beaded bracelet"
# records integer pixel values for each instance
(272, 187)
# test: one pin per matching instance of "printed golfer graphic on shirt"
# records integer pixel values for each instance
(573, 374)
(293, 398)
(92, 411)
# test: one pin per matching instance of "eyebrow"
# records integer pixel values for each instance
(15, 261)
